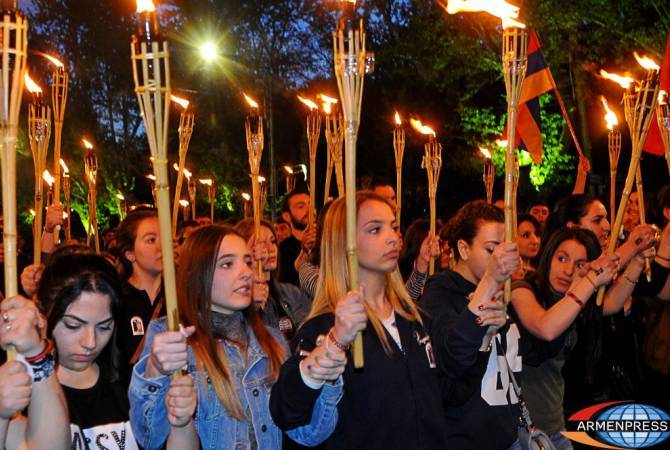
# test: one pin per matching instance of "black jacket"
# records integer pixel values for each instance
(392, 403)
(481, 408)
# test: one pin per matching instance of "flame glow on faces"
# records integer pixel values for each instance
(610, 118)
(206, 181)
(32, 87)
(485, 152)
(48, 178)
(87, 144)
(421, 128)
(499, 8)
(397, 119)
(622, 81)
(64, 166)
(252, 103)
(56, 62)
(180, 101)
(310, 104)
(246, 196)
(646, 62)
(145, 6)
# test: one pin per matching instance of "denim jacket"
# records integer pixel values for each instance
(216, 430)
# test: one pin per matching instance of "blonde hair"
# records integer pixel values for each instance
(334, 271)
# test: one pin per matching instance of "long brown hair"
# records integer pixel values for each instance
(126, 235)
(194, 291)
(334, 271)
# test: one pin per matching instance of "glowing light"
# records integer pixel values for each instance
(180, 101)
(646, 62)
(421, 128)
(662, 97)
(183, 203)
(145, 6)
(64, 166)
(56, 62)
(610, 117)
(87, 144)
(499, 8)
(206, 181)
(486, 152)
(209, 51)
(32, 87)
(246, 196)
(398, 122)
(252, 103)
(32, 212)
(327, 103)
(622, 81)
(288, 170)
(310, 104)
(261, 179)
(151, 177)
(502, 143)
(48, 178)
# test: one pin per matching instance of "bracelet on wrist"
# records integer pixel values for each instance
(663, 258)
(48, 348)
(631, 281)
(331, 338)
(44, 364)
(576, 299)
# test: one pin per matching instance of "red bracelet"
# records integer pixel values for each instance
(575, 298)
(48, 349)
(331, 338)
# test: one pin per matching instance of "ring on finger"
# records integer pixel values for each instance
(5, 317)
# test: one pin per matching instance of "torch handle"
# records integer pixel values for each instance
(312, 188)
(58, 130)
(433, 220)
(398, 193)
(177, 195)
(37, 226)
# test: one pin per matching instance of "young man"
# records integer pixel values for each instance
(295, 211)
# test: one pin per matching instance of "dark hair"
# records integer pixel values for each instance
(245, 228)
(656, 208)
(528, 218)
(569, 209)
(71, 271)
(464, 225)
(537, 202)
(185, 224)
(412, 240)
(126, 235)
(315, 256)
(585, 237)
(286, 202)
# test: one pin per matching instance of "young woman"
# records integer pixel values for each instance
(547, 304)
(232, 357)
(481, 408)
(79, 293)
(394, 401)
(528, 240)
(283, 306)
(47, 425)
(140, 262)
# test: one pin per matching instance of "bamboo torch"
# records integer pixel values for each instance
(352, 62)
(211, 193)
(489, 174)
(123, 205)
(65, 183)
(398, 151)
(152, 185)
(49, 180)
(262, 194)
(614, 149)
(313, 129)
(59, 89)
(183, 203)
(432, 162)
(192, 195)
(150, 59)
(334, 141)
(255, 141)
(663, 118)
(640, 101)
(290, 178)
(91, 172)
(39, 133)
(246, 199)
(186, 122)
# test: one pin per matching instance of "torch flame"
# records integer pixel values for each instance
(32, 212)
(646, 62)
(183, 203)
(145, 6)
(622, 81)
(610, 117)
(327, 103)
(187, 173)
(288, 170)
(87, 144)
(206, 181)
(251, 101)
(499, 8)
(246, 196)
(261, 179)
(397, 119)
(56, 62)
(502, 143)
(151, 177)
(180, 101)
(485, 152)
(120, 196)
(310, 104)
(64, 166)
(662, 97)
(32, 87)
(48, 178)
(421, 128)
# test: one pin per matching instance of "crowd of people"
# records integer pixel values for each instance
(262, 358)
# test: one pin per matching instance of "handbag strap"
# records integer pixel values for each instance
(525, 419)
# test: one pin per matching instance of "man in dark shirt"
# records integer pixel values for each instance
(295, 211)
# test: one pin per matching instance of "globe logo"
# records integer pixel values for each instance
(629, 425)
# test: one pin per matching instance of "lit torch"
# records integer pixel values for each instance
(152, 186)
(334, 141)
(255, 141)
(123, 205)
(39, 133)
(489, 174)
(184, 209)
(663, 118)
(186, 122)
(65, 182)
(91, 172)
(290, 178)
(211, 194)
(246, 199)
(49, 180)
(432, 162)
(59, 90)
(614, 148)
(399, 150)
(313, 129)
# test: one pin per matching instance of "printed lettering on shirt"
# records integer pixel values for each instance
(111, 436)
(496, 388)
(425, 341)
(137, 326)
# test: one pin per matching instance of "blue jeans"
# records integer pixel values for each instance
(559, 441)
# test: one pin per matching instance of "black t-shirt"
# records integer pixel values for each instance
(289, 250)
(99, 417)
